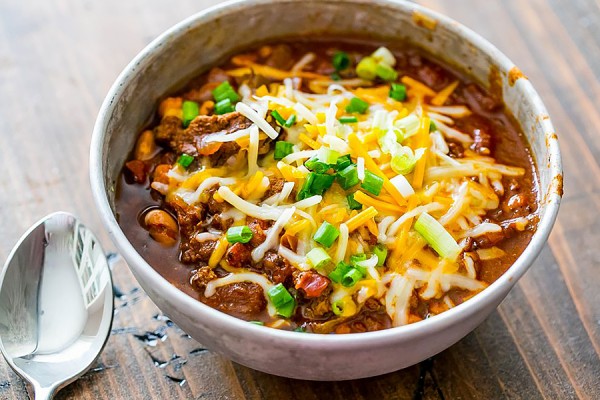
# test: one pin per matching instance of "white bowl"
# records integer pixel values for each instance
(206, 39)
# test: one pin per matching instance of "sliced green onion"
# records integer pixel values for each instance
(352, 277)
(340, 60)
(304, 191)
(404, 161)
(290, 121)
(336, 77)
(348, 120)
(321, 183)
(356, 258)
(287, 309)
(385, 56)
(366, 68)
(348, 177)
(338, 273)
(327, 155)
(282, 149)
(386, 72)
(282, 300)
(326, 234)
(353, 204)
(317, 166)
(190, 110)
(318, 257)
(381, 252)
(279, 295)
(185, 160)
(338, 307)
(357, 105)
(225, 91)
(342, 162)
(432, 126)
(437, 236)
(239, 234)
(372, 183)
(398, 92)
(278, 117)
(257, 323)
(223, 107)
(300, 329)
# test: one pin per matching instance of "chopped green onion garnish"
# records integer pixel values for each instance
(356, 258)
(318, 257)
(338, 307)
(282, 149)
(278, 117)
(386, 72)
(348, 177)
(372, 183)
(342, 162)
(290, 121)
(357, 105)
(317, 166)
(321, 183)
(432, 126)
(352, 277)
(257, 323)
(287, 309)
(437, 236)
(403, 162)
(327, 156)
(239, 234)
(340, 61)
(381, 252)
(398, 92)
(367, 68)
(304, 191)
(353, 204)
(326, 234)
(336, 77)
(338, 273)
(185, 160)
(225, 91)
(223, 107)
(190, 110)
(300, 329)
(282, 300)
(348, 120)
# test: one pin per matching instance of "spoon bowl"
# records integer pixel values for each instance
(56, 303)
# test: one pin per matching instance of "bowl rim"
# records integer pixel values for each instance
(215, 317)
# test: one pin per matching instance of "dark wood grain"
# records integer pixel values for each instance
(58, 60)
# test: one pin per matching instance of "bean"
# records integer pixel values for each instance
(161, 226)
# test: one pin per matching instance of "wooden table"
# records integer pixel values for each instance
(57, 62)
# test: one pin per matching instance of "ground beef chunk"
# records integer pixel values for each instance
(433, 76)
(456, 149)
(281, 57)
(312, 283)
(188, 217)
(258, 227)
(193, 251)
(317, 308)
(239, 255)
(190, 141)
(169, 127)
(481, 130)
(243, 300)
(275, 186)
(215, 207)
(372, 317)
(277, 267)
(478, 96)
(202, 277)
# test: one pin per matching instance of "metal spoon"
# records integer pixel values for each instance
(56, 303)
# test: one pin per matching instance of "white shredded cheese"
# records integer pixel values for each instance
(272, 239)
(360, 166)
(253, 116)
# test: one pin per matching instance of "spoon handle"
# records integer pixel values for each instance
(43, 393)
